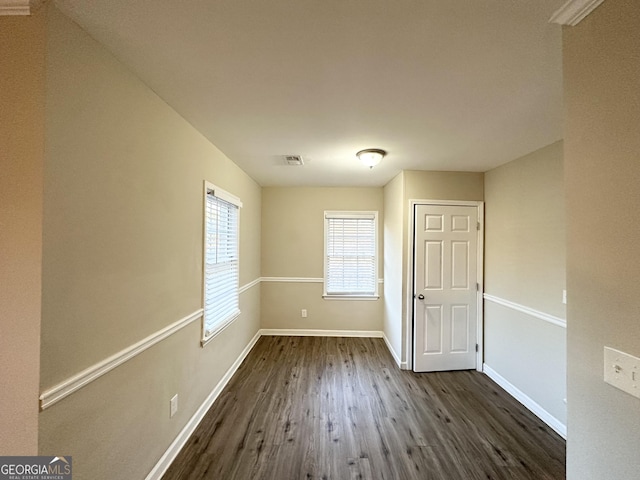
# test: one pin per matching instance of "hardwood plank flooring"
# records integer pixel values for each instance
(339, 408)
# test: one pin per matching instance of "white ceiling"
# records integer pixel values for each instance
(461, 85)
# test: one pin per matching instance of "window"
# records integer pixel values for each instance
(351, 263)
(221, 266)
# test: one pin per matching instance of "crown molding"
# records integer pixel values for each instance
(19, 7)
(572, 12)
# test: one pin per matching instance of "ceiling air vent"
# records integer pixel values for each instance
(293, 160)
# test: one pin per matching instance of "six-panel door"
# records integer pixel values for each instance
(445, 313)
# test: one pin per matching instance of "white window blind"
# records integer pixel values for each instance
(350, 259)
(221, 260)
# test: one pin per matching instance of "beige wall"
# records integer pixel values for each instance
(525, 230)
(525, 264)
(394, 215)
(293, 247)
(602, 167)
(122, 259)
(443, 185)
(22, 57)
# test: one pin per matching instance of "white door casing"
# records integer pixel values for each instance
(445, 287)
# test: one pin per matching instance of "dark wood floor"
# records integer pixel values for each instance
(339, 408)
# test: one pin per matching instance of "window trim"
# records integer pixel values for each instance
(210, 188)
(368, 214)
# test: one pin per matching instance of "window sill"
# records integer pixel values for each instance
(350, 297)
(205, 340)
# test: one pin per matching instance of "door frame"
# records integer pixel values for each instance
(409, 299)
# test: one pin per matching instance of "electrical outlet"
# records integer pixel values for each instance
(622, 371)
(173, 405)
(303, 313)
(564, 297)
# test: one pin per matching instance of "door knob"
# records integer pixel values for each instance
(421, 297)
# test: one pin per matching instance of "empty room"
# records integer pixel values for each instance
(331, 240)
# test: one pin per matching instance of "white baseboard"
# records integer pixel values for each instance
(559, 427)
(295, 332)
(169, 456)
(401, 365)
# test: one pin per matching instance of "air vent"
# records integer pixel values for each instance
(293, 160)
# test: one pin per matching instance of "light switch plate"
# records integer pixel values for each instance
(622, 371)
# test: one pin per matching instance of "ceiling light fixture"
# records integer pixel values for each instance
(371, 156)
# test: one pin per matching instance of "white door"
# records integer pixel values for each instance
(445, 288)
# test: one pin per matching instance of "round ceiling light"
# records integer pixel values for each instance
(371, 156)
